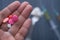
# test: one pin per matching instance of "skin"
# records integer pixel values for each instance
(20, 28)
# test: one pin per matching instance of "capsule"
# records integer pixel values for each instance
(5, 20)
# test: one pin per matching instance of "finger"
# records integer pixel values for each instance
(17, 12)
(1, 33)
(8, 10)
(24, 29)
(20, 9)
(21, 20)
(19, 37)
(27, 11)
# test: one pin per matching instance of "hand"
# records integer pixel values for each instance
(19, 29)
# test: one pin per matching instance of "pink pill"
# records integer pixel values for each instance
(15, 18)
(11, 21)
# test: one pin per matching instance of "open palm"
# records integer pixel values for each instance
(19, 29)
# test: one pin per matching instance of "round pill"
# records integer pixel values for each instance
(9, 25)
(10, 16)
(15, 18)
(11, 21)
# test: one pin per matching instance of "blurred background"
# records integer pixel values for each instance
(45, 19)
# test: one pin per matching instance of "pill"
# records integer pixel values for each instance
(11, 21)
(9, 25)
(10, 16)
(15, 18)
(5, 20)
